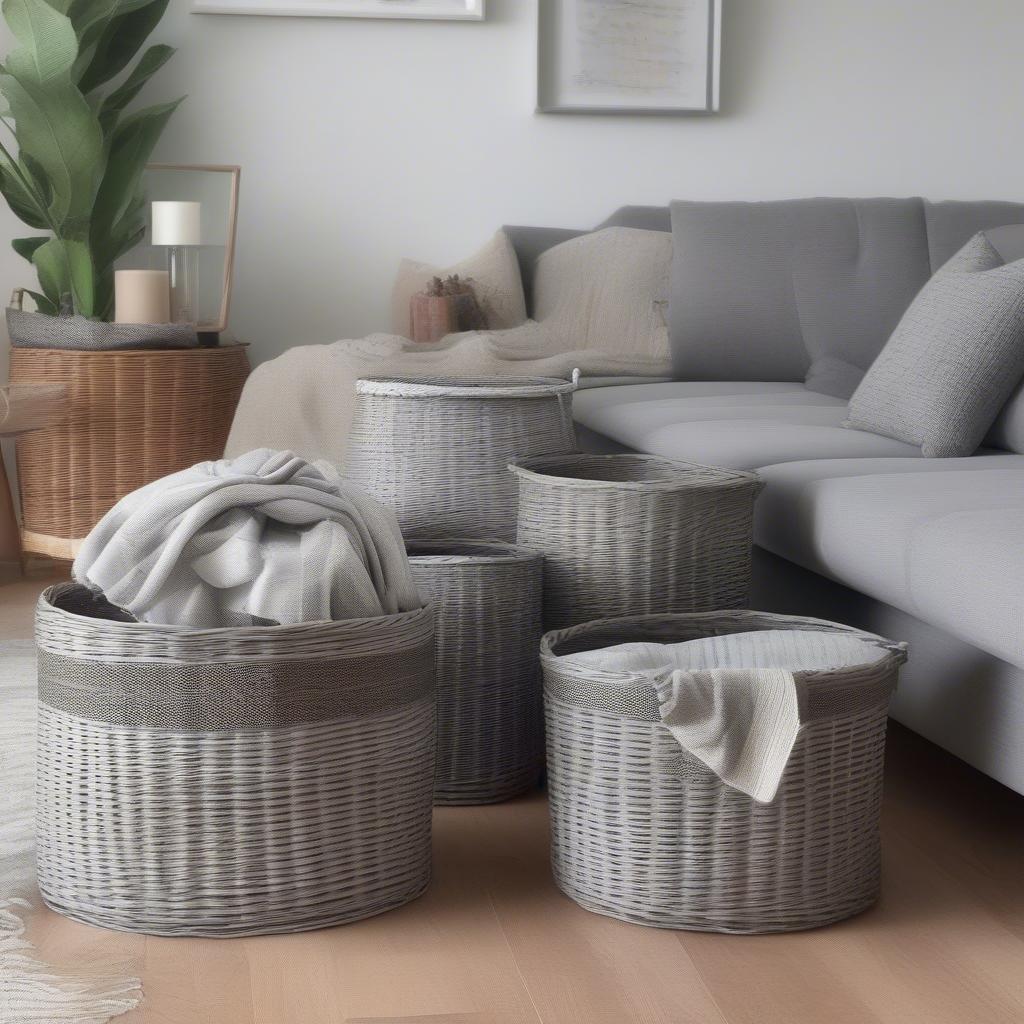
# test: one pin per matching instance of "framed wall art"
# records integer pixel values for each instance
(442, 10)
(628, 56)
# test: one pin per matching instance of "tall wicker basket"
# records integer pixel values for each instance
(134, 416)
(490, 735)
(436, 448)
(231, 781)
(645, 833)
(636, 534)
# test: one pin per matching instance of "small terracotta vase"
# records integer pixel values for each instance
(433, 316)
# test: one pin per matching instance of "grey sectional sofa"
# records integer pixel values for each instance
(852, 526)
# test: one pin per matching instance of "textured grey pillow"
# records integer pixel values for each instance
(954, 358)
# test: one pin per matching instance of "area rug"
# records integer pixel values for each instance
(92, 990)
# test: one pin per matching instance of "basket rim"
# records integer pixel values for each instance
(26, 352)
(678, 473)
(491, 552)
(468, 386)
(111, 629)
(895, 650)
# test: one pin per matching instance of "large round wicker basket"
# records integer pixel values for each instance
(636, 534)
(436, 448)
(645, 833)
(134, 416)
(231, 781)
(490, 734)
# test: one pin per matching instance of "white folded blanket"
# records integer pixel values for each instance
(731, 701)
(263, 538)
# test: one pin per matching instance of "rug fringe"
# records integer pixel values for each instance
(30, 991)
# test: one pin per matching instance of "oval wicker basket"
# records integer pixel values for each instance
(134, 416)
(436, 448)
(645, 833)
(636, 534)
(231, 781)
(487, 598)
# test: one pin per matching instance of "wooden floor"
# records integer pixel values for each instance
(493, 941)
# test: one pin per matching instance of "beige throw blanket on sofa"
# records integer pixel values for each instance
(600, 300)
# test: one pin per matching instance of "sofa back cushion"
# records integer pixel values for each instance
(530, 243)
(950, 224)
(760, 291)
(604, 291)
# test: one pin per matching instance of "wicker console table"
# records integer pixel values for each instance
(133, 416)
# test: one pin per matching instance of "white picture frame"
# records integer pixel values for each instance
(628, 56)
(429, 10)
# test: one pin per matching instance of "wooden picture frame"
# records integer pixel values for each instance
(628, 56)
(235, 173)
(426, 10)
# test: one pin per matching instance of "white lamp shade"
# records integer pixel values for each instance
(176, 223)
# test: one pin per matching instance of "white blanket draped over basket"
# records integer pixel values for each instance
(264, 538)
(599, 301)
(731, 701)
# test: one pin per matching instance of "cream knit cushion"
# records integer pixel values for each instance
(953, 359)
(607, 291)
(497, 284)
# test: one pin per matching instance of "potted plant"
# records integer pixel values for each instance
(71, 168)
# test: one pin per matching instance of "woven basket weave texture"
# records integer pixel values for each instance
(645, 833)
(636, 534)
(436, 449)
(487, 598)
(134, 416)
(232, 781)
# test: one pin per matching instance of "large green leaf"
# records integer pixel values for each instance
(91, 18)
(54, 126)
(152, 61)
(117, 44)
(26, 247)
(130, 149)
(65, 269)
(16, 186)
(49, 46)
(43, 304)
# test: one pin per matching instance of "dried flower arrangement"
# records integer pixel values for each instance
(446, 306)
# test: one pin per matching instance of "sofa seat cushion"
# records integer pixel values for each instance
(937, 539)
(735, 424)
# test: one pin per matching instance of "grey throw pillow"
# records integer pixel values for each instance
(953, 359)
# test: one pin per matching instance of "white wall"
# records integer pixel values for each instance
(362, 142)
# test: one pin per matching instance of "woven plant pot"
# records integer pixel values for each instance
(231, 781)
(436, 448)
(635, 534)
(645, 833)
(36, 330)
(490, 739)
(134, 416)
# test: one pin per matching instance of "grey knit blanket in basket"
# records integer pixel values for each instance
(265, 538)
(731, 701)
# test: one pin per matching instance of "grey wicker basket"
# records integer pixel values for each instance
(487, 598)
(636, 534)
(231, 781)
(644, 833)
(436, 448)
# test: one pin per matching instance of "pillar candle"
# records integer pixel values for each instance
(141, 297)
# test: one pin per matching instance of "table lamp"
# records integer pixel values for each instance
(176, 225)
